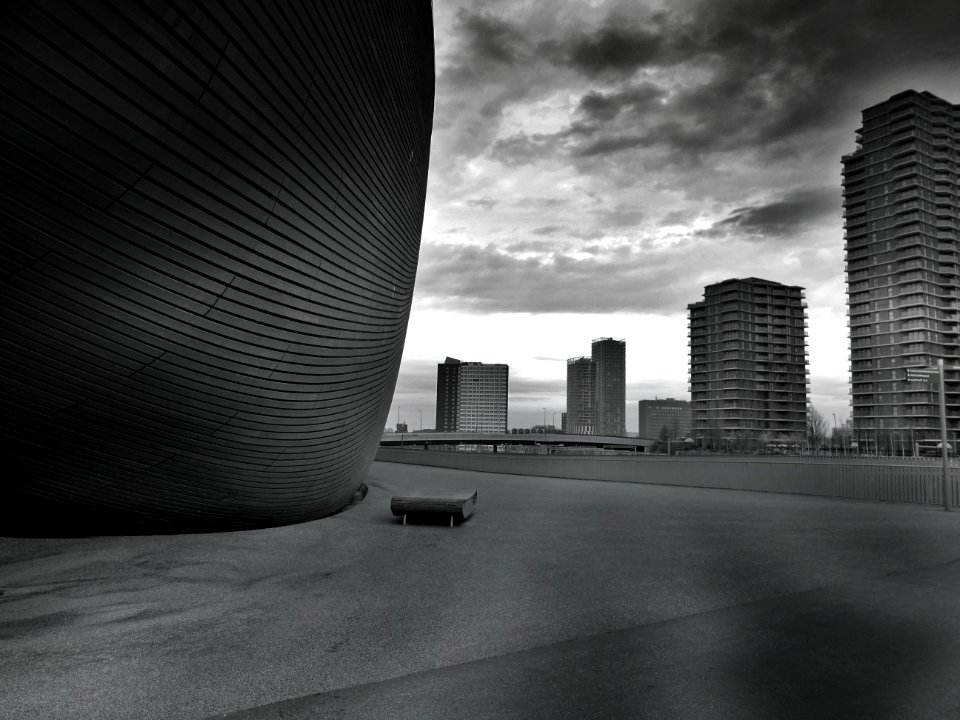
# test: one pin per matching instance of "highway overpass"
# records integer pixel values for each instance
(428, 439)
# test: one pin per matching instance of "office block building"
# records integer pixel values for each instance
(655, 415)
(581, 381)
(610, 404)
(748, 364)
(901, 206)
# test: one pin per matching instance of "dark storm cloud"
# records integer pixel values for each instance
(486, 70)
(523, 148)
(760, 73)
(489, 43)
(614, 48)
(791, 214)
(603, 107)
(683, 144)
(492, 38)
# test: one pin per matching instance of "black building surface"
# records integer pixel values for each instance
(210, 217)
(448, 394)
(610, 357)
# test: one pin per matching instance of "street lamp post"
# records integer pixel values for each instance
(943, 434)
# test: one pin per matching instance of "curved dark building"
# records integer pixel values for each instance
(210, 216)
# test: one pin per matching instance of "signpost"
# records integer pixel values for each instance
(943, 435)
(924, 375)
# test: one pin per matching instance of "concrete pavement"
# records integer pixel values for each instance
(559, 598)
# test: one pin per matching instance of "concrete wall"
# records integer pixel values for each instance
(889, 479)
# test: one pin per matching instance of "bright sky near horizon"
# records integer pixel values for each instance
(595, 164)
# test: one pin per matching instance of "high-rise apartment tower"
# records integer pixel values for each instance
(609, 357)
(901, 207)
(581, 386)
(748, 364)
(482, 405)
(472, 396)
(596, 390)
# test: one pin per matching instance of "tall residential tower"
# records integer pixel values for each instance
(581, 382)
(596, 390)
(748, 364)
(901, 206)
(609, 356)
(472, 396)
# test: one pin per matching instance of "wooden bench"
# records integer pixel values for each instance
(458, 504)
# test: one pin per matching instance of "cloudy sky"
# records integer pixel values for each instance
(595, 164)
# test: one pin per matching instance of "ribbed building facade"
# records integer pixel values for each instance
(901, 205)
(210, 218)
(482, 397)
(748, 364)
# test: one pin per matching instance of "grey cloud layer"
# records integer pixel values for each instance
(492, 279)
(737, 109)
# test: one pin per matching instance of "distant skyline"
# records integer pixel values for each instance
(595, 164)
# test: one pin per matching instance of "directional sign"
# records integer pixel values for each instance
(923, 375)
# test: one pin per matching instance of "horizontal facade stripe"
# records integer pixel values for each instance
(210, 220)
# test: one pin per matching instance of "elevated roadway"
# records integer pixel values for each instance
(429, 439)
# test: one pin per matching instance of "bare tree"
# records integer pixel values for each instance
(816, 427)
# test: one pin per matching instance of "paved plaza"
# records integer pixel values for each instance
(558, 598)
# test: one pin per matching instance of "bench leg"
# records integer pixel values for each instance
(404, 518)
(451, 521)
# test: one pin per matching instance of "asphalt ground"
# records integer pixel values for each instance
(558, 598)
